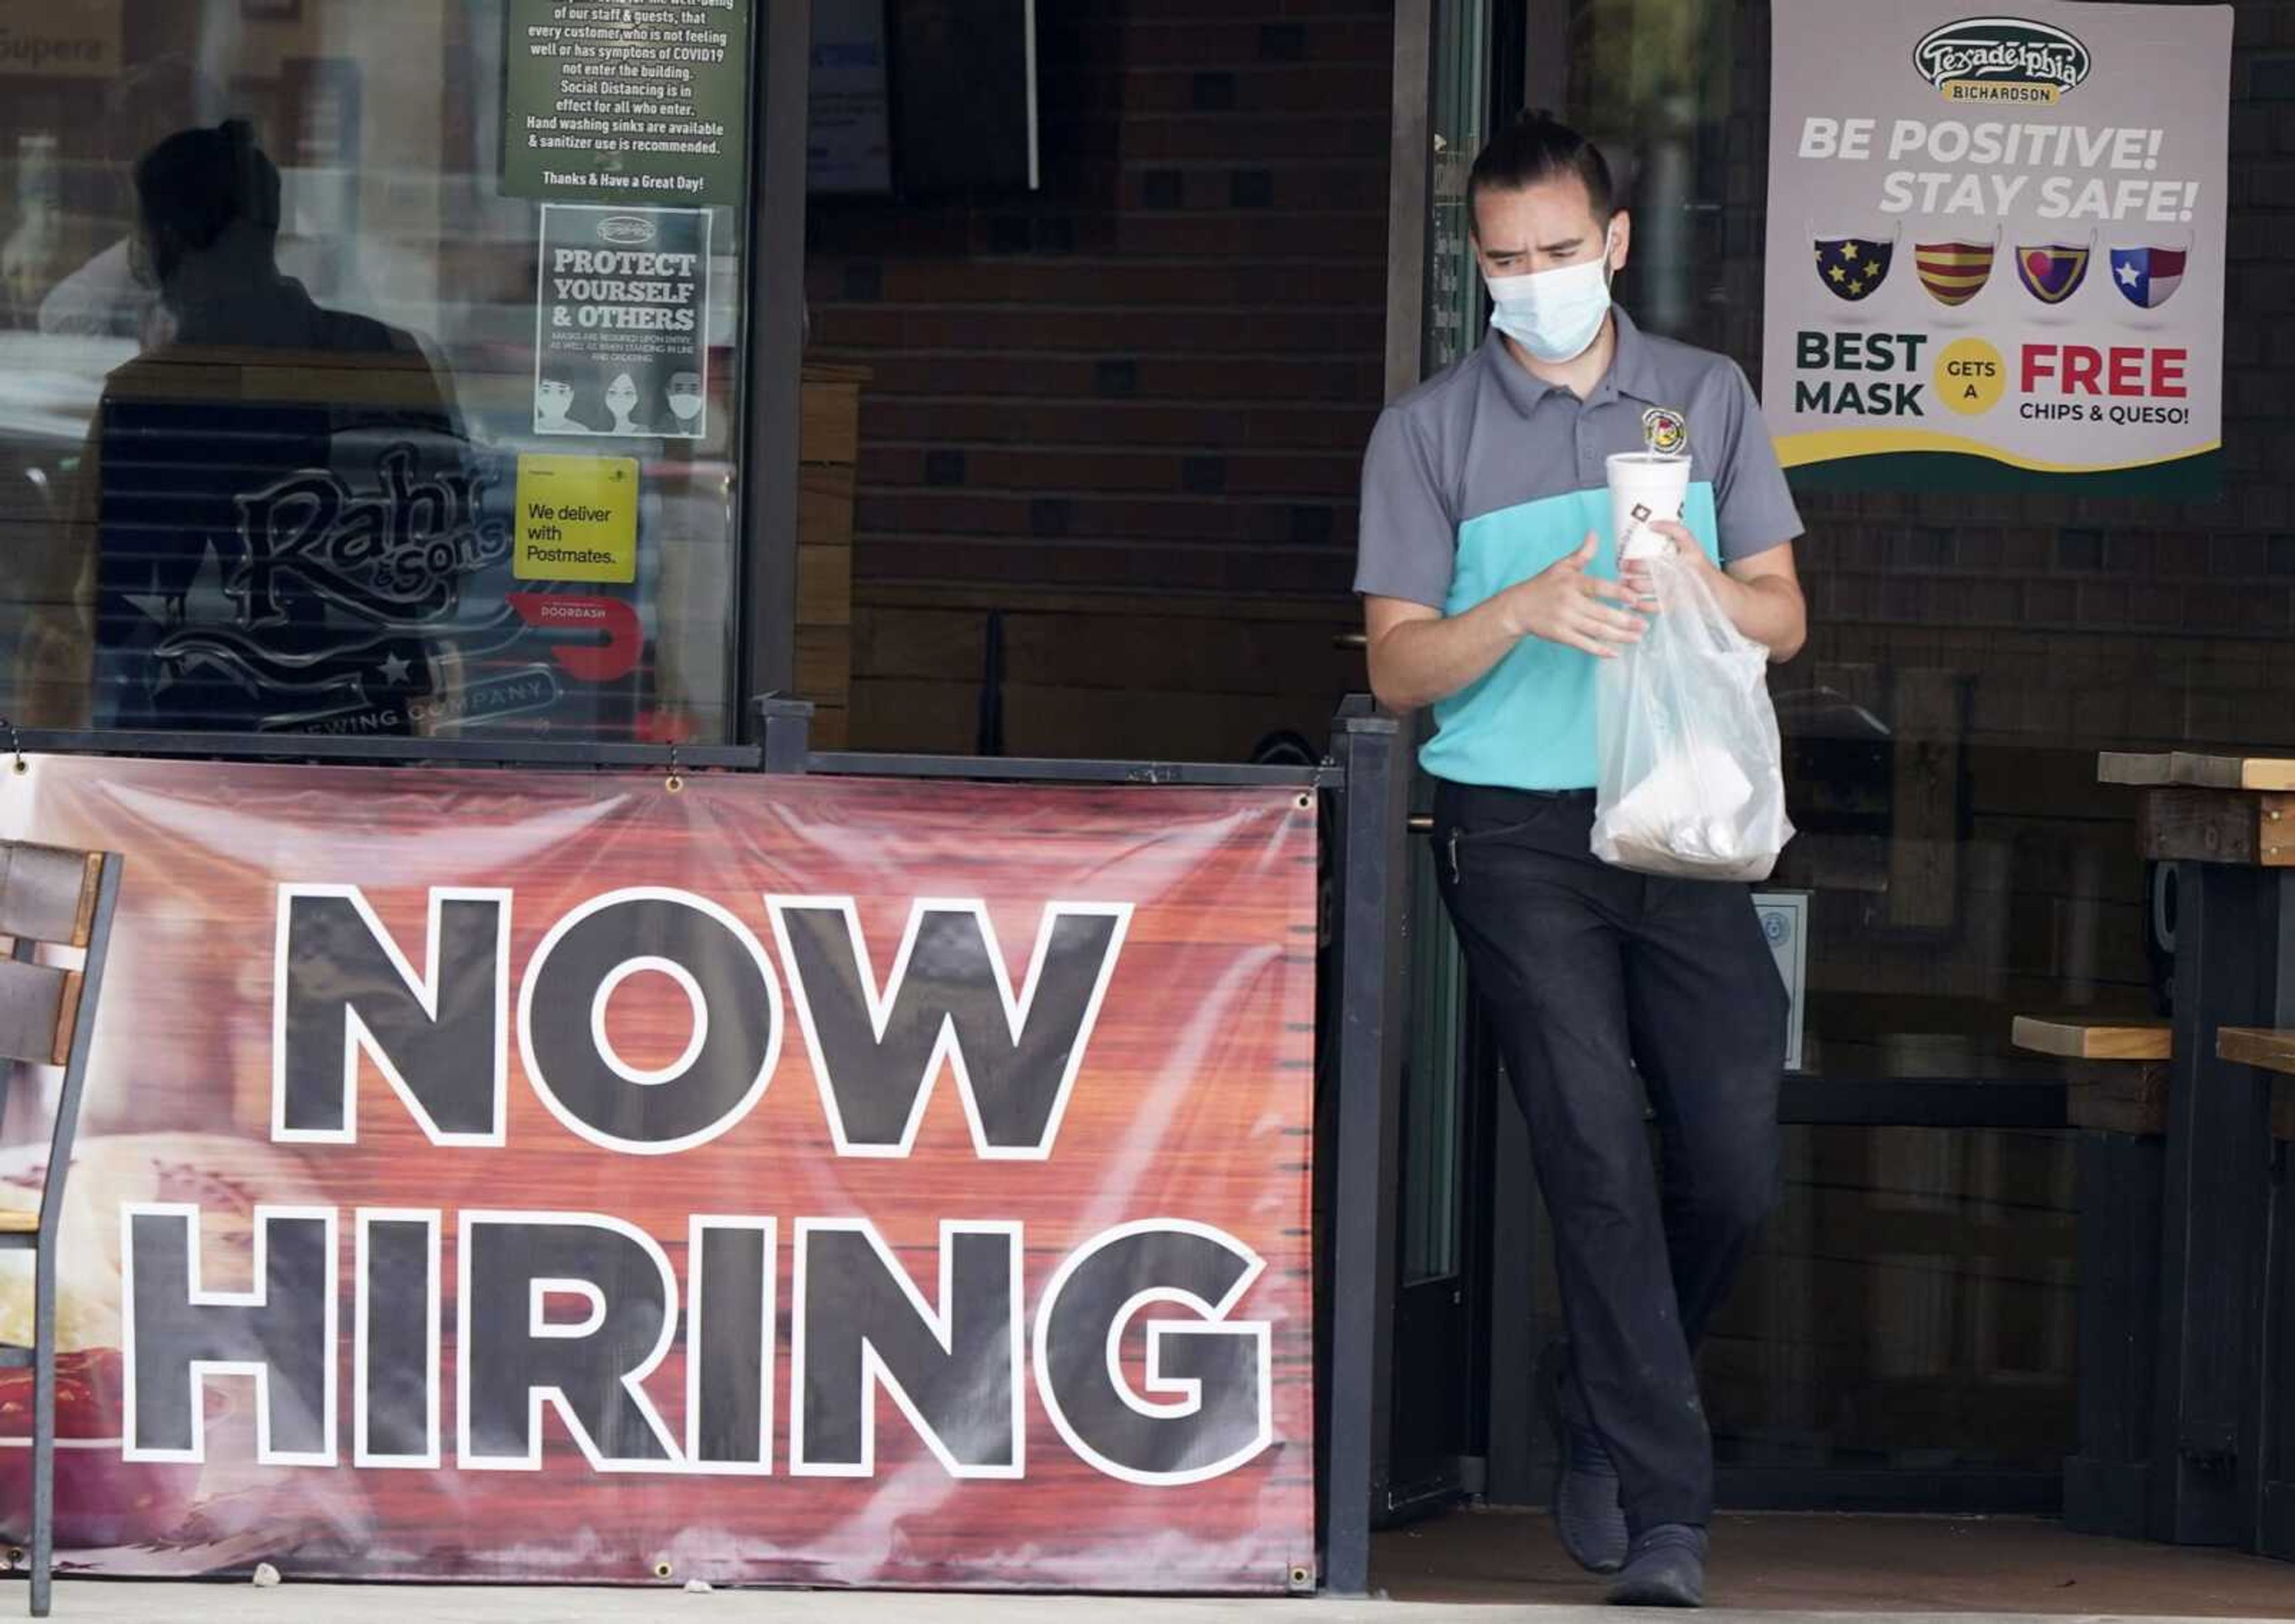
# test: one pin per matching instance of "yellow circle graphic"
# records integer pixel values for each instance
(1971, 378)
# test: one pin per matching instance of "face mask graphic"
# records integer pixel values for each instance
(2053, 272)
(1955, 269)
(1852, 268)
(2148, 277)
(1554, 315)
(685, 397)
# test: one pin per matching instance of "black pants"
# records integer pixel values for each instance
(1591, 975)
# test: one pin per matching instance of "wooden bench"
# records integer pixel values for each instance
(2273, 1051)
(2116, 1099)
(2117, 1070)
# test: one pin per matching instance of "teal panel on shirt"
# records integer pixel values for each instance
(1529, 724)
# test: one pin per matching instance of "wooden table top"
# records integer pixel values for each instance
(2265, 1047)
(2268, 1050)
(2189, 771)
(2074, 1039)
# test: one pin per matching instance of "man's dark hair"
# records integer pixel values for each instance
(198, 183)
(1535, 148)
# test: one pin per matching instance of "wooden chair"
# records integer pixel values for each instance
(52, 898)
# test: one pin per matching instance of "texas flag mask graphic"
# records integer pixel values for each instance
(2148, 277)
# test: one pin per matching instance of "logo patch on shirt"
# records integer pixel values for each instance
(1665, 431)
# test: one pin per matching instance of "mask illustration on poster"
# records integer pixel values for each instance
(1852, 265)
(1956, 265)
(554, 407)
(622, 323)
(2053, 272)
(2147, 273)
(622, 400)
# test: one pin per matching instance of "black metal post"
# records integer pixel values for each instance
(1364, 1026)
(2205, 1486)
(2272, 1483)
(1410, 193)
(773, 344)
(2108, 1484)
(785, 731)
(2275, 1517)
(988, 738)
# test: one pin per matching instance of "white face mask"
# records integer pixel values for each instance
(1554, 315)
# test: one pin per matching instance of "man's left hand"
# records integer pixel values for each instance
(1760, 594)
(1634, 573)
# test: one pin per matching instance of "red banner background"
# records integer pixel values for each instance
(1193, 1103)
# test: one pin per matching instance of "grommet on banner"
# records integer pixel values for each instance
(675, 782)
(1306, 803)
(662, 1569)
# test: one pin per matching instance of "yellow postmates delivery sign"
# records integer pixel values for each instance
(577, 518)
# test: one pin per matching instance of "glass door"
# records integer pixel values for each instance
(1443, 1225)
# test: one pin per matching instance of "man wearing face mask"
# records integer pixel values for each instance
(1490, 593)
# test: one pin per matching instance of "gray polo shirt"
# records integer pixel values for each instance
(1484, 475)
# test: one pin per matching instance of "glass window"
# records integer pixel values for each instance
(1970, 656)
(1910, 1309)
(310, 422)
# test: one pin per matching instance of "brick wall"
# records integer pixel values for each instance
(1125, 414)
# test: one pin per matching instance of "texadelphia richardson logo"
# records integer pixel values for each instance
(2002, 59)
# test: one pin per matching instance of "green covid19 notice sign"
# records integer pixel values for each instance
(613, 101)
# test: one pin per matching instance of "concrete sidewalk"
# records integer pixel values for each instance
(129, 1601)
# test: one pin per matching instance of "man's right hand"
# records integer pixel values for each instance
(1564, 605)
(1419, 655)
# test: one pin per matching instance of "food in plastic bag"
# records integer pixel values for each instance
(1691, 780)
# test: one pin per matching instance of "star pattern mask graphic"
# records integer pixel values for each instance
(1853, 267)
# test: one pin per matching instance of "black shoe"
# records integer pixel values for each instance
(1665, 1568)
(1586, 1510)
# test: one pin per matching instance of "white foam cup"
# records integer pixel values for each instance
(1645, 487)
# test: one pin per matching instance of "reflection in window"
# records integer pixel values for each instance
(277, 450)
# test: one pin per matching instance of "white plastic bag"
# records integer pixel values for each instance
(1691, 780)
